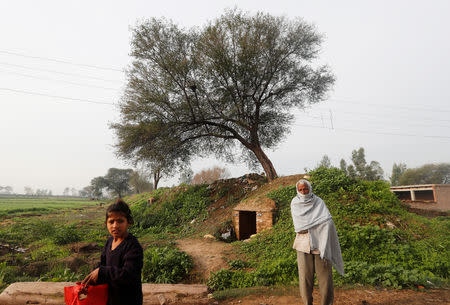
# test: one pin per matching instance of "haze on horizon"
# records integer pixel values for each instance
(62, 73)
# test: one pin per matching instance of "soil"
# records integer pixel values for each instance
(349, 297)
(208, 255)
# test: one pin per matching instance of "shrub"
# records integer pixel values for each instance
(384, 275)
(220, 280)
(165, 265)
(239, 264)
(279, 272)
(329, 180)
(225, 279)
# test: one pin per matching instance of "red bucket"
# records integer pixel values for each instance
(96, 295)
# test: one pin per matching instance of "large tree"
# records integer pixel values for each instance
(233, 82)
(97, 185)
(116, 180)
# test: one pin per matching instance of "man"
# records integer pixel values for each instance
(316, 243)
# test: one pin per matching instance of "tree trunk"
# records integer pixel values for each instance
(265, 163)
(156, 177)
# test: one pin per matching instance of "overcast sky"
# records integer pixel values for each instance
(61, 72)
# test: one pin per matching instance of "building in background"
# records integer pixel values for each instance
(432, 197)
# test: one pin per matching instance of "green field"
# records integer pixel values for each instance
(11, 206)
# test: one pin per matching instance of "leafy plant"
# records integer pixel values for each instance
(165, 265)
(221, 279)
(239, 264)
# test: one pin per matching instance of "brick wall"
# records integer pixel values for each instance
(264, 220)
(236, 223)
(443, 197)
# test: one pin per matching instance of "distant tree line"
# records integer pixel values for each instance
(6, 190)
(38, 192)
(401, 174)
(358, 168)
(121, 182)
(118, 183)
(425, 174)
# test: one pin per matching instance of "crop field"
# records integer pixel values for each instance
(11, 206)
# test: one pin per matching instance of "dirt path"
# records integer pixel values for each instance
(351, 297)
(208, 255)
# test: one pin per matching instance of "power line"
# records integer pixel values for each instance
(373, 132)
(56, 96)
(384, 115)
(390, 120)
(59, 72)
(390, 106)
(59, 80)
(61, 61)
(393, 134)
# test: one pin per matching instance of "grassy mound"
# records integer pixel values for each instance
(382, 244)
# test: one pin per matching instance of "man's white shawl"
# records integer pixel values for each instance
(309, 212)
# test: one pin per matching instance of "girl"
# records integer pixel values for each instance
(121, 260)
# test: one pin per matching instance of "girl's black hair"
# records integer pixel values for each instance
(120, 207)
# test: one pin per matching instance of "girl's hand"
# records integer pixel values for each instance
(90, 279)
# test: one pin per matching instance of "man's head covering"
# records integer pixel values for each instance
(308, 210)
(307, 197)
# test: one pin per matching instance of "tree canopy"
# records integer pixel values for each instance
(425, 174)
(139, 182)
(231, 83)
(116, 180)
(397, 171)
(360, 168)
(325, 162)
(210, 175)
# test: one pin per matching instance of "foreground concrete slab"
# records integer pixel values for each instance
(47, 293)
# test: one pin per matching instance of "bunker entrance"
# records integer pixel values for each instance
(247, 224)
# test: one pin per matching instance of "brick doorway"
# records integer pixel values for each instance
(247, 224)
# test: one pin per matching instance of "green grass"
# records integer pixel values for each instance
(47, 237)
(11, 206)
